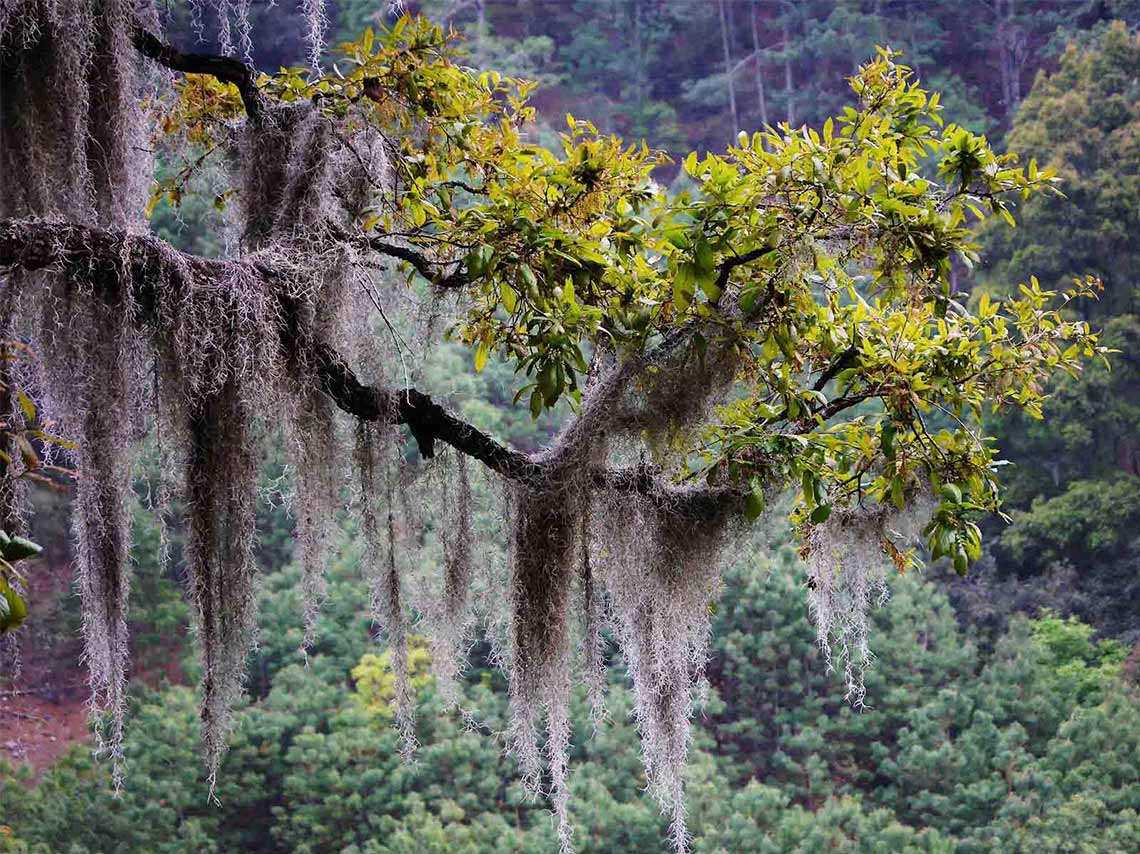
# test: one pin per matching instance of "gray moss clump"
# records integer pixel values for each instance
(218, 363)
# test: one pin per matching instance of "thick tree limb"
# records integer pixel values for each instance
(99, 255)
(427, 420)
(224, 68)
(102, 257)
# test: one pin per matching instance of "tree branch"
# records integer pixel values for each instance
(105, 257)
(841, 361)
(454, 280)
(427, 420)
(730, 264)
(224, 68)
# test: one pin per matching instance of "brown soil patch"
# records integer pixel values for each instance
(43, 707)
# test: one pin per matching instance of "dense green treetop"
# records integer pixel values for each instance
(1084, 121)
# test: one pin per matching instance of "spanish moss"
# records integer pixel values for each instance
(661, 572)
(378, 476)
(221, 486)
(447, 612)
(847, 566)
(71, 142)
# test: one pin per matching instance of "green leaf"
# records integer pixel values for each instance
(153, 203)
(548, 384)
(18, 548)
(579, 359)
(15, 609)
(528, 277)
(897, 492)
(683, 288)
(887, 433)
(478, 261)
(755, 503)
(26, 405)
(821, 513)
(808, 486)
(703, 256)
(961, 561)
(55, 440)
(820, 492)
(474, 263)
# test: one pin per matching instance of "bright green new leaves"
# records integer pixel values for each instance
(13, 609)
(819, 263)
(840, 253)
(554, 256)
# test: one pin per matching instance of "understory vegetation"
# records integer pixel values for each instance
(1026, 739)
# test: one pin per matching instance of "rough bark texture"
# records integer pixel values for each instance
(104, 256)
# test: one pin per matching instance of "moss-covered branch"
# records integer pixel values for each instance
(107, 258)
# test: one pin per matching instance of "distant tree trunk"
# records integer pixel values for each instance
(757, 65)
(728, 68)
(1011, 54)
(907, 27)
(789, 91)
(481, 31)
(641, 47)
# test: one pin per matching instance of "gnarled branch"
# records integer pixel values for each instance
(105, 256)
(224, 68)
(102, 256)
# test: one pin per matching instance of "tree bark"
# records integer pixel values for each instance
(106, 257)
(728, 70)
(758, 66)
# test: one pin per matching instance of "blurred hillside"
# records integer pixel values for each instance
(687, 74)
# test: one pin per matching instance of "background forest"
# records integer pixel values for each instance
(1004, 708)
